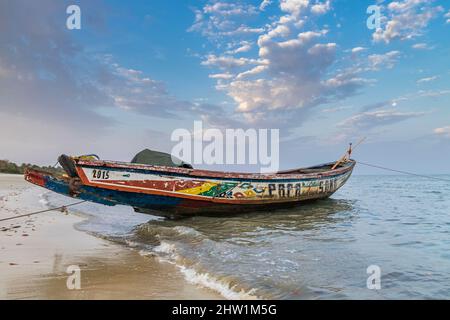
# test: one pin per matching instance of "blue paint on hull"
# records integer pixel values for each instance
(112, 197)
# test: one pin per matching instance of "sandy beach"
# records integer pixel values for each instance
(36, 252)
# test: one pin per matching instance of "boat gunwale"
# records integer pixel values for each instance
(346, 168)
(221, 175)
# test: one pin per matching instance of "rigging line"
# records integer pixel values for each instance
(42, 211)
(403, 172)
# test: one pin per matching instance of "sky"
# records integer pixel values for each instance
(137, 70)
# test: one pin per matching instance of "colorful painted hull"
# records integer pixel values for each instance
(172, 190)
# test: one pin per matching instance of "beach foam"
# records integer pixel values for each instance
(167, 252)
(225, 289)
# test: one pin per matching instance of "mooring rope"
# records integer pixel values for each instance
(403, 172)
(42, 211)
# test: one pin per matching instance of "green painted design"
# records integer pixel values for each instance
(218, 189)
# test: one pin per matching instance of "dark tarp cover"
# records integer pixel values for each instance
(157, 158)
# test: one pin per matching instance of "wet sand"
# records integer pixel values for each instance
(36, 252)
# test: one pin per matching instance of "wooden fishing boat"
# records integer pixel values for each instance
(168, 190)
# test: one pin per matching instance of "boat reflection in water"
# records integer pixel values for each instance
(307, 216)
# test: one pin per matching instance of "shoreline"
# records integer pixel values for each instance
(36, 252)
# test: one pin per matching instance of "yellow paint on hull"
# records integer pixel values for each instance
(198, 190)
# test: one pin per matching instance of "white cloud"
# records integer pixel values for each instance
(347, 79)
(432, 93)
(223, 19)
(335, 109)
(406, 19)
(229, 9)
(420, 46)
(447, 15)
(297, 68)
(427, 79)
(294, 70)
(132, 90)
(244, 46)
(296, 56)
(372, 119)
(294, 7)
(358, 49)
(242, 30)
(443, 131)
(279, 31)
(264, 4)
(252, 72)
(387, 60)
(225, 76)
(226, 62)
(321, 7)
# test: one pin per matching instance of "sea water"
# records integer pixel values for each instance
(399, 225)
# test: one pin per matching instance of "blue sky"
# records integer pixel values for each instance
(138, 70)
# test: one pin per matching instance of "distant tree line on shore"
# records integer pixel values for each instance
(10, 167)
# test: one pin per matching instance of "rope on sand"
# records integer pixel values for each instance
(42, 211)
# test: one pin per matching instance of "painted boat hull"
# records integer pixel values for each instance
(180, 191)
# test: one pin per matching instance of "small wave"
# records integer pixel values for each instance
(131, 243)
(164, 247)
(168, 252)
(225, 289)
(187, 231)
(154, 234)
